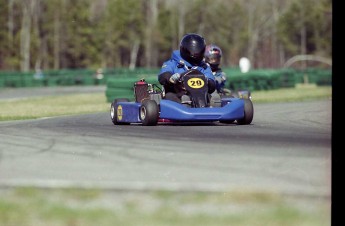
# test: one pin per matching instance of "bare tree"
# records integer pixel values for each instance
(25, 37)
(10, 23)
(57, 39)
(134, 54)
(151, 17)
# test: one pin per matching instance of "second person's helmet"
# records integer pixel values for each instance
(213, 55)
(192, 48)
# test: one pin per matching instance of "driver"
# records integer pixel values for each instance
(190, 55)
(213, 56)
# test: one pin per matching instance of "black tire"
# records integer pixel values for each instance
(248, 113)
(113, 111)
(149, 113)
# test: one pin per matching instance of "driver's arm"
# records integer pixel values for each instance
(164, 77)
(167, 70)
(211, 79)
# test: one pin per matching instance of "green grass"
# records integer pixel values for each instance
(32, 108)
(300, 93)
(29, 206)
(38, 107)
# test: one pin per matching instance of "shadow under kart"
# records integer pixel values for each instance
(151, 105)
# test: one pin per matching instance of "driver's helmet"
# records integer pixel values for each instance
(192, 48)
(213, 55)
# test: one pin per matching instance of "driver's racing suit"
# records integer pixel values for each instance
(176, 64)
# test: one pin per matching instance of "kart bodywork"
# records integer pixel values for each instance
(151, 107)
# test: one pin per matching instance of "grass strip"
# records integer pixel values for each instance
(27, 206)
(73, 104)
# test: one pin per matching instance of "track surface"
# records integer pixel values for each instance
(287, 149)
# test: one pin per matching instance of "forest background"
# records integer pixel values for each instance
(60, 34)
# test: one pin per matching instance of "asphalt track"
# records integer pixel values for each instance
(286, 149)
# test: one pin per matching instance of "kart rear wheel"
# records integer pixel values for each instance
(149, 113)
(248, 113)
(113, 111)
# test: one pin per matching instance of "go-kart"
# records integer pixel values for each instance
(152, 106)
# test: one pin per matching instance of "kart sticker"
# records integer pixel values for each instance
(196, 83)
(119, 113)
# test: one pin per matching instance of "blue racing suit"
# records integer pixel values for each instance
(176, 64)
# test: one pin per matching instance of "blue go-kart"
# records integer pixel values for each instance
(152, 106)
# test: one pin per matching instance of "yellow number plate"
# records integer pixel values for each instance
(196, 83)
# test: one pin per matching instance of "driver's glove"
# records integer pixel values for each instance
(174, 78)
(223, 78)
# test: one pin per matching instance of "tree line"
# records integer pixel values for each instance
(58, 34)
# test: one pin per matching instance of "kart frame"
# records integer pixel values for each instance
(150, 108)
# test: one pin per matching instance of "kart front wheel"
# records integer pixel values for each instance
(114, 111)
(248, 113)
(149, 113)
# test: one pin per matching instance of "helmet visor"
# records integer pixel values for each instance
(213, 59)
